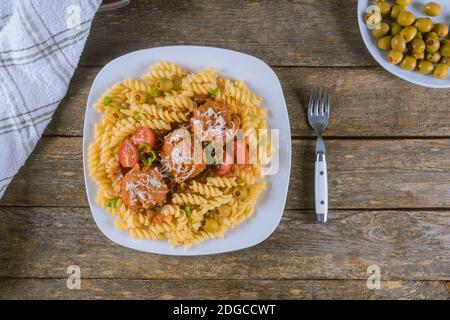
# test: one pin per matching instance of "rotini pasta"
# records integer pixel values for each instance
(156, 191)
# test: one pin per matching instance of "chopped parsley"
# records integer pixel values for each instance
(111, 203)
(107, 101)
(213, 92)
(187, 210)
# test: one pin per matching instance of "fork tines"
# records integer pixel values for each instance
(319, 101)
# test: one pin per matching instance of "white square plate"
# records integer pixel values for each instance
(261, 78)
(380, 55)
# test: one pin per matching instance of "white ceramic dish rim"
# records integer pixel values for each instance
(211, 246)
(416, 78)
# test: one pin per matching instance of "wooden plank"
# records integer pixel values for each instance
(410, 245)
(218, 289)
(284, 32)
(361, 106)
(362, 174)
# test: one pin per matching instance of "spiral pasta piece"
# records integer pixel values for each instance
(165, 115)
(205, 190)
(138, 85)
(176, 101)
(188, 199)
(164, 69)
(221, 182)
(213, 203)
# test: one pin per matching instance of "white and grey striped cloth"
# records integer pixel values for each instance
(40, 45)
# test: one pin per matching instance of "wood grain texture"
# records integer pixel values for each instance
(218, 289)
(410, 245)
(361, 106)
(363, 174)
(289, 33)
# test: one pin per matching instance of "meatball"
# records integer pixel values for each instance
(143, 188)
(178, 157)
(215, 118)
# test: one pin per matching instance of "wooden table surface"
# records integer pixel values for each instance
(388, 147)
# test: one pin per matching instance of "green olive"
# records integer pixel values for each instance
(385, 43)
(432, 9)
(419, 35)
(396, 29)
(417, 46)
(409, 33)
(403, 3)
(385, 7)
(445, 60)
(211, 225)
(431, 35)
(239, 193)
(395, 11)
(419, 56)
(398, 43)
(405, 18)
(424, 25)
(409, 63)
(434, 57)
(165, 84)
(425, 67)
(441, 71)
(395, 57)
(177, 83)
(223, 211)
(381, 30)
(138, 97)
(433, 45)
(445, 48)
(441, 30)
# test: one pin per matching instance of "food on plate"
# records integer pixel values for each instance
(405, 18)
(395, 57)
(385, 43)
(408, 63)
(381, 31)
(411, 40)
(144, 156)
(433, 9)
(441, 71)
(425, 67)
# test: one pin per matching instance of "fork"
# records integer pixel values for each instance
(318, 114)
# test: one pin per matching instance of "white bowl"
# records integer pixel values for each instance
(380, 55)
(261, 78)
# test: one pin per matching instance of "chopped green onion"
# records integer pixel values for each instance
(143, 158)
(144, 147)
(111, 203)
(154, 92)
(187, 210)
(147, 161)
(213, 92)
(107, 100)
(151, 158)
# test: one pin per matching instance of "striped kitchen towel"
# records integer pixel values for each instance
(40, 45)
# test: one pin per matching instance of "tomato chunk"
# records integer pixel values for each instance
(144, 135)
(128, 154)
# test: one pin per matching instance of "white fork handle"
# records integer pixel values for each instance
(321, 188)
